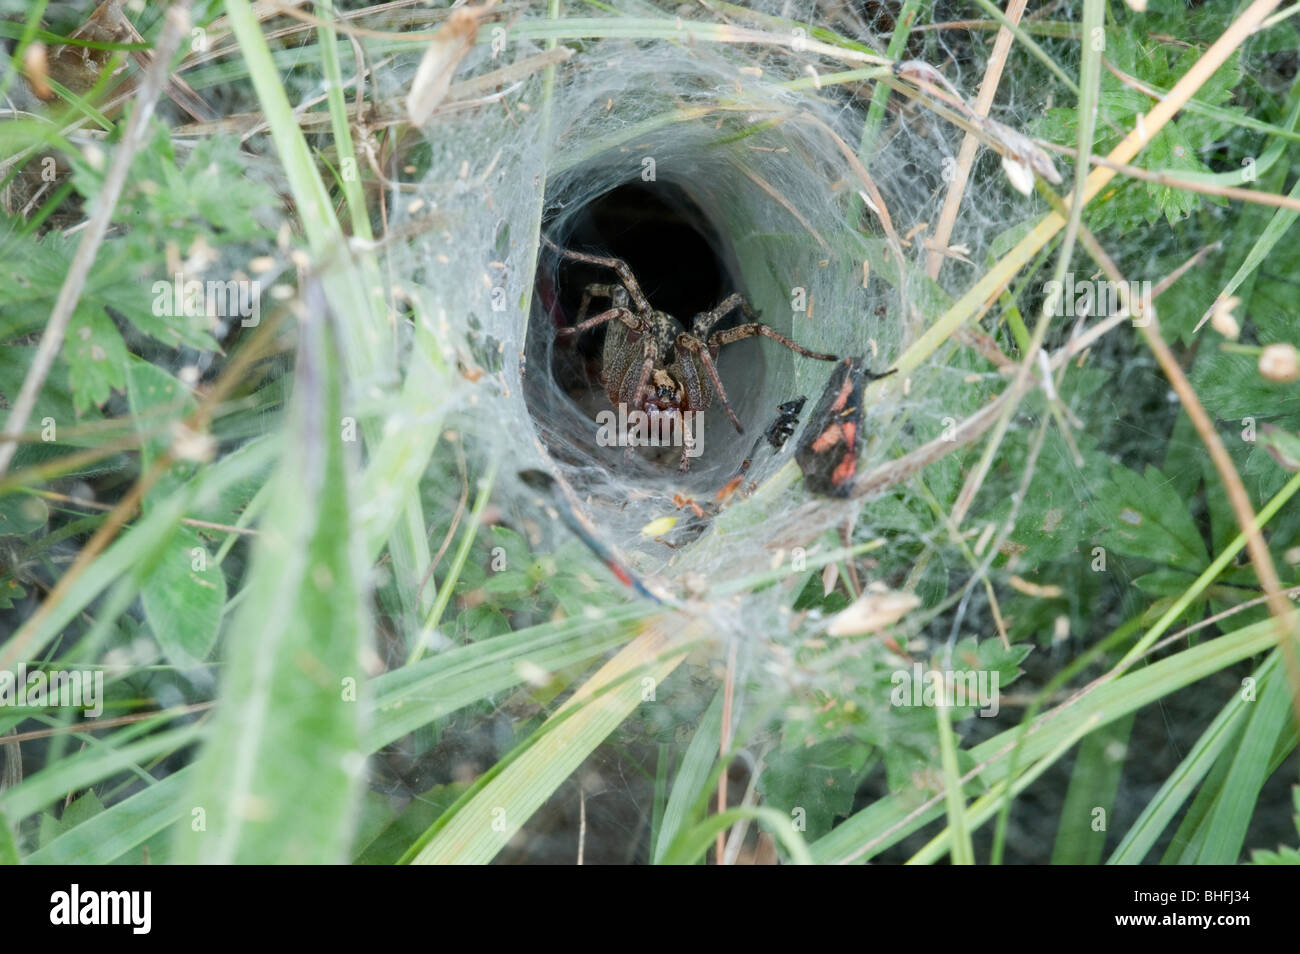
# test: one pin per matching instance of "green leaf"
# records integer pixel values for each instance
(108, 757)
(508, 583)
(1283, 856)
(481, 823)
(21, 514)
(210, 194)
(812, 785)
(96, 356)
(691, 845)
(183, 589)
(387, 845)
(1231, 388)
(683, 802)
(138, 545)
(403, 699)
(158, 401)
(1175, 148)
(481, 622)
(1056, 514)
(1146, 518)
(1165, 582)
(183, 598)
(890, 819)
(78, 812)
(55, 413)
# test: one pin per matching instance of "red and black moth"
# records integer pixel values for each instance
(828, 449)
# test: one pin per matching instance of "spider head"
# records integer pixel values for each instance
(664, 398)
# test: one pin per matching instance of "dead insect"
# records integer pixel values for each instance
(777, 433)
(828, 451)
(649, 363)
(784, 425)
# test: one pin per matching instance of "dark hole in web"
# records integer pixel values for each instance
(663, 236)
(682, 265)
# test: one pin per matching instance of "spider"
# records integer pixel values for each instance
(649, 363)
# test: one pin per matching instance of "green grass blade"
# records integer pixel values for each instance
(1225, 828)
(70, 775)
(480, 825)
(462, 676)
(1164, 805)
(8, 847)
(692, 844)
(963, 852)
(1093, 784)
(403, 700)
(137, 546)
(119, 828)
(279, 778)
(890, 819)
(690, 779)
(984, 807)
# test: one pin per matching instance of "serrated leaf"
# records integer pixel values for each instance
(81, 810)
(1283, 856)
(211, 193)
(1146, 518)
(810, 784)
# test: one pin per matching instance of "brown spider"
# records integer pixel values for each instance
(636, 368)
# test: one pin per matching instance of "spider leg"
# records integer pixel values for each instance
(598, 291)
(697, 347)
(635, 400)
(740, 332)
(705, 320)
(622, 314)
(617, 264)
